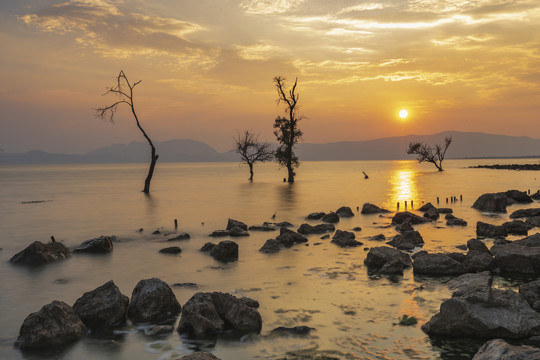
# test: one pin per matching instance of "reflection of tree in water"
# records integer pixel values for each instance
(287, 196)
(151, 207)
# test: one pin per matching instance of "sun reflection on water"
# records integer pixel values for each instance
(403, 185)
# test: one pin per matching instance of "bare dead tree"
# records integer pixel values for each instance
(430, 154)
(286, 128)
(249, 148)
(123, 90)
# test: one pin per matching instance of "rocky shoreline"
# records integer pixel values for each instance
(534, 167)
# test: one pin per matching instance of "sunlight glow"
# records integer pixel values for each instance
(403, 113)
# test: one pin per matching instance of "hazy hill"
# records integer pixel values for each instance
(464, 145)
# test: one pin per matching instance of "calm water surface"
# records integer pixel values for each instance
(319, 285)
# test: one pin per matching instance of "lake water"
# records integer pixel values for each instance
(319, 285)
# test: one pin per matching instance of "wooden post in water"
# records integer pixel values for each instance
(175, 224)
(412, 204)
(405, 204)
(398, 205)
(447, 200)
(461, 198)
(437, 199)
(53, 239)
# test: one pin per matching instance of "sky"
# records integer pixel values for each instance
(207, 67)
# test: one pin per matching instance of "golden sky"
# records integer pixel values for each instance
(207, 66)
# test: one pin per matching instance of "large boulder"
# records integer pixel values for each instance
(345, 239)
(516, 227)
(437, 265)
(533, 221)
(368, 208)
(498, 349)
(288, 238)
(387, 260)
(531, 292)
(102, 244)
(518, 257)
(478, 245)
(471, 283)
(400, 217)
(407, 241)
(451, 220)
(344, 211)
(102, 308)
(525, 213)
(490, 231)
(55, 324)
(492, 202)
(38, 253)
(495, 314)
(271, 246)
(518, 196)
(153, 301)
(476, 261)
(235, 223)
(331, 217)
(209, 314)
(224, 251)
(432, 214)
(427, 207)
(307, 229)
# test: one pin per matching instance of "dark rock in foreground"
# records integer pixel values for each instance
(102, 244)
(153, 301)
(224, 251)
(199, 355)
(331, 217)
(516, 227)
(368, 208)
(288, 238)
(471, 283)
(306, 229)
(271, 246)
(492, 202)
(478, 245)
(387, 260)
(499, 349)
(490, 231)
(179, 237)
(518, 257)
(296, 330)
(102, 308)
(210, 314)
(315, 216)
(171, 250)
(344, 211)
(56, 324)
(400, 217)
(407, 241)
(38, 253)
(533, 221)
(525, 213)
(235, 223)
(531, 292)
(437, 265)
(345, 239)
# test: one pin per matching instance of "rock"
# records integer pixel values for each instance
(186, 285)
(400, 217)
(520, 197)
(158, 330)
(38, 253)
(56, 324)
(209, 314)
(533, 221)
(220, 233)
(357, 228)
(470, 283)
(345, 239)
(296, 330)
(478, 245)
(445, 211)
(454, 221)
(368, 208)
(102, 244)
(525, 213)
(427, 207)
(344, 211)
(413, 238)
(156, 232)
(285, 224)
(518, 257)
(199, 355)
(235, 223)
(536, 195)
(250, 302)
(461, 247)
(179, 237)
(501, 314)
(271, 246)
(476, 261)
(262, 228)
(315, 216)
(432, 214)
(499, 349)
(379, 237)
(490, 231)
(236, 231)
(405, 226)
(153, 301)
(516, 227)
(531, 292)
(387, 260)
(437, 265)
(171, 250)
(103, 308)
(317, 229)
(492, 202)
(288, 238)
(224, 251)
(331, 217)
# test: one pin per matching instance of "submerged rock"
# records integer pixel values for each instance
(153, 301)
(490, 231)
(199, 355)
(235, 223)
(180, 236)
(531, 292)
(39, 253)
(288, 238)
(224, 251)
(56, 324)
(454, 221)
(525, 213)
(262, 228)
(171, 250)
(407, 240)
(387, 260)
(344, 211)
(400, 217)
(499, 349)
(317, 229)
(437, 265)
(492, 202)
(102, 244)
(331, 217)
(296, 330)
(368, 208)
(271, 246)
(518, 257)
(345, 239)
(315, 216)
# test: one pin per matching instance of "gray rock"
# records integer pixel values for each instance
(285, 224)
(171, 250)
(237, 231)
(387, 260)
(317, 229)
(103, 308)
(224, 251)
(379, 237)
(288, 238)
(235, 223)
(520, 197)
(368, 208)
(478, 245)
(536, 195)
(471, 283)
(409, 237)
(445, 211)
(476, 261)
(345, 239)
(490, 231)
(432, 214)
(153, 301)
(271, 246)
(38, 253)
(315, 216)
(250, 302)
(262, 228)
(525, 213)
(331, 217)
(199, 355)
(531, 292)
(533, 221)
(56, 324)
(516, 227)
(426, 207)
(492, 202)
(499, 349)
(180, 236)
(400, 217)
(518, 257)
(296, 330)
(344, 211)
(405, 226)
(220, 233)
(437, 265)
(102, 244)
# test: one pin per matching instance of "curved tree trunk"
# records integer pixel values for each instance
(146, 189)
(250, 171)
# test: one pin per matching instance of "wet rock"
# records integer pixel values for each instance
(199, 355)
(39, 253)
(102, 244)
(236, 224)
(317, 229)
(379, 237)
(224, 251)
(533, 221)
(271, 246)
(209, 314)
(501, 314)
(400, 217)
(492, 202)
(499, 349)
(262, 228)
(476, 261)
(331, 217)
(156, 232)
(478, 245)
(387, 260)
(437, 265)
(405, 226)
(296, 330)
(536, 195)
(455, 221)
(345, 239)
(288, 238)
(220, 233)
(520, 197)
(324, 237)
(445, 211)
(250, 302)
(180, 236)
(159, 330)
(408, 239)
(525, 213)
(153, 301)
(103, 308)
(490, 231)
(471, 283)
(432, 214)
(461, 247)
(237, 231)
(171, 250)
(368, 208)
(516, 227)
(344, 211)
(315, 216)
(426, 207)
(518, 257)
(285, 224)
(56, 324)
(186, 285)
(531, 292)
(357, 228)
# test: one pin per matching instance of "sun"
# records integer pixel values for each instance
(403, 113)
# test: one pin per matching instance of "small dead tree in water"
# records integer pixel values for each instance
(286, 129)
(124, 91)
(430, 154)
(249, 148)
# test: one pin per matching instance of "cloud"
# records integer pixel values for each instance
(269, 6)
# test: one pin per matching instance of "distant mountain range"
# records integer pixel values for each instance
(464, 145)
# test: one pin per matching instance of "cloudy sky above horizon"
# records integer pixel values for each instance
(207, 67)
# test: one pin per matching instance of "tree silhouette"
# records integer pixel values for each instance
(251, 150)
(286, 129)
(430, 154)
(123, 89)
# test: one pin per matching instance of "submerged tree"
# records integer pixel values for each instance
(286, 128)
(251, 150)
(123, 89)
(430, 154)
